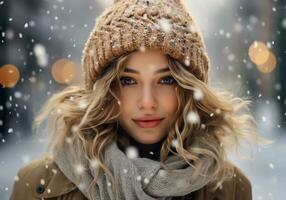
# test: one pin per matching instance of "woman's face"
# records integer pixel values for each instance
(148, 91)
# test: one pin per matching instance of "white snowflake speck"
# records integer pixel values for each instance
(125, 171)
(198, 94)
(138, 178)
(271, 165)
(165, 25)
(187, 61)
(264, 119)
(132, 152)
(16, 178)
(193, 117)
(79, 168)
(68, 140)
(82, 186)
(175, 143)
(162, 173)
(41, 55)
(94, 163)
(17, 95)
(42, 181)
(203, 126)
(74, 128)
(146, 180)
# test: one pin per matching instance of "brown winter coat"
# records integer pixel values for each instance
(42, 179)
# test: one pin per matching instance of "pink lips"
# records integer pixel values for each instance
(148, 123)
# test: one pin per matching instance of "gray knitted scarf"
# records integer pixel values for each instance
(136, 178)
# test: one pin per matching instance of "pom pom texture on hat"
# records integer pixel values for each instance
(129, 25)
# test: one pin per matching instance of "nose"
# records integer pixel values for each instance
(147, 99)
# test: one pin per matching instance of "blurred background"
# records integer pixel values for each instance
(41, 43)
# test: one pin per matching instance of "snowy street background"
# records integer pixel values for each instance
(246, 42)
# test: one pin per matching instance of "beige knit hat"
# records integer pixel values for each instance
(131, 25)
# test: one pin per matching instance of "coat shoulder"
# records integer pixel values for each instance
(40, 178)
(236, 187)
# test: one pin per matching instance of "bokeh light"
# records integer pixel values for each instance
(269, 65)
(258, 53)
(64, 71)
(9, 75)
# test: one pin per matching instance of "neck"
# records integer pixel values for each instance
(151, 151)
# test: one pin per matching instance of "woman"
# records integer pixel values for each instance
(145, 124)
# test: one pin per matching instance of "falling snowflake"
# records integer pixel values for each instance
(138, 178)
(68, 140)
(203, 126)
(193, 117)
(41, 55)
(187, 61)
(17, 95)
(54, 171)
(146, 180)
(165, 25)
(271, 165)
(132, 152)
(82, 186)
(162, 173)
(264, 119)
(94, 163)
(16, 178)
(42, 181)
(175, 143)
(198, 94)
(79, 169)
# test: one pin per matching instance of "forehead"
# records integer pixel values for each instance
(152, 57)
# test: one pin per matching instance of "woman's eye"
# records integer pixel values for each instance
(128, 80)
(169, 79)
(125, 80)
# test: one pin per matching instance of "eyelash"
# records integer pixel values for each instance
(124, 78)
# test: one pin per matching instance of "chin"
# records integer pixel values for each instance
(147, 140)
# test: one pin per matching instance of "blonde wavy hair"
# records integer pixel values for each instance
(90, 119)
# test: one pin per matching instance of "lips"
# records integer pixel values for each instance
(148, 123)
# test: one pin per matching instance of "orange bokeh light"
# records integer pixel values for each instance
(9, 75)
(269, 65)
(64, 71)
(258, 53)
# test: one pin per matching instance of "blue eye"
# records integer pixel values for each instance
(124, 79)
(170, 79)
(128, 80)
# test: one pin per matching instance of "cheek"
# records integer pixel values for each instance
(169, 101)
(126, 105)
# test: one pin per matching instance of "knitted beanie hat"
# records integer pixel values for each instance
(131, 25)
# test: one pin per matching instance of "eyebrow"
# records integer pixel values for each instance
(156, 72)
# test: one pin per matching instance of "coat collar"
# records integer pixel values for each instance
(53, 182)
